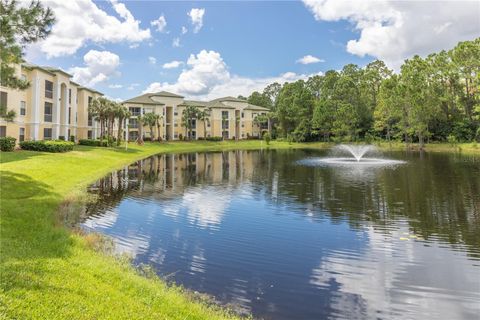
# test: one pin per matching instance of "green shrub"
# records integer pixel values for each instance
(7, 143)
(452, 140)
(214, 138)
(290, 138)
(72, 138)
(267, 138)
(93, 142)
(47, 145)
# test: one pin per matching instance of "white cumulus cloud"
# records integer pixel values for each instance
(152, 60)
(81, 21)
(99, 66)
(115, 86)
(172, 64)
(396, 30)
(207, 77)
(196, 18)
(160, 23)
(184, 30)
(308, 59)
(176, 42)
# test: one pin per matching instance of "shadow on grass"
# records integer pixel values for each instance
(28, 235)
(18, 155)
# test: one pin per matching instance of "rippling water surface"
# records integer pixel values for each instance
(271, 234)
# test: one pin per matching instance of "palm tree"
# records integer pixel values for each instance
(150, 121)
(204, 116)
(140, 122)
(122, 115)
(189, 114)
(101, 110)
(158, 119)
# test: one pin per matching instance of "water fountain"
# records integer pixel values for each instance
(353, 155)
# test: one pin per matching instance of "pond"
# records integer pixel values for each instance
(273, 234)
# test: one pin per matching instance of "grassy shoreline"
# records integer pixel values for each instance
(49, 272)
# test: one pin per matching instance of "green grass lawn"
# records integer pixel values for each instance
(49, 272)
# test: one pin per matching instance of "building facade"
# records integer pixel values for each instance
(228, 117)
(55, 107)
(52, 107)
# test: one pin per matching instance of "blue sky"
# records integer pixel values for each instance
(114, 47)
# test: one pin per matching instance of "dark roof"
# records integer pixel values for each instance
(144, 99)
(166, 94)
(219, 105)
(51, 69)
(33, 66)
(229, 98)
(254, 107)
(89, 89)
(195, 103)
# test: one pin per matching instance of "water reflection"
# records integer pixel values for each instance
(285, 241)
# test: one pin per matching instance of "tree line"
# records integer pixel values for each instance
(433, 98)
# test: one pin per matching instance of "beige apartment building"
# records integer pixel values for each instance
(55, 107)
(229, 117)
(52, 107)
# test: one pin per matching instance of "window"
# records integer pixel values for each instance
(21, 135)
(225, 123)
(47, 112)
(90, 120)
(175, 113)
(135, 111)
(194, 123)
(3, 131)
(23, 108)
(89, 134)
(208, 124)
(47, 133)
(69, 95)
(89, 100)
(69, 116)
(243, 115)
(3, 99)
(225, 134)
(48, 89)
(132, 123)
